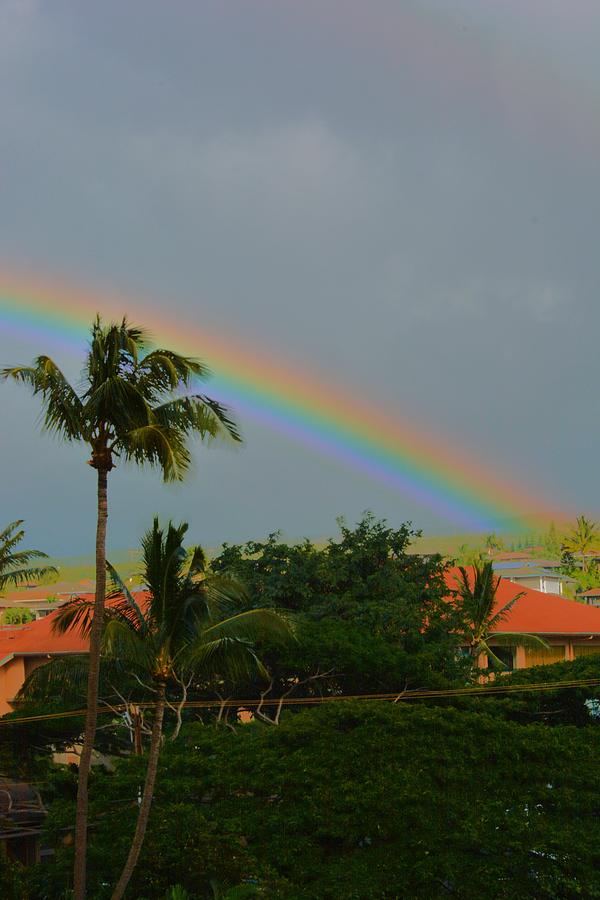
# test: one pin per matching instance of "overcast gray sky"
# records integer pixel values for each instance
(401, 195)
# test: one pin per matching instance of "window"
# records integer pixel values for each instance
(506, 654)
(545, 657)
(585, 649)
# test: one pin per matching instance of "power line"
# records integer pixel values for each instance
(396, 696)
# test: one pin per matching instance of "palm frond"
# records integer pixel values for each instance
(503, 612)
(229, 657)
(75, 614)
(220, 595)
(517, 639)
(14, 565)
(64, 677)
(163, 371)
(183, 627)
(62, 406)
(198, 563)
(196, 413)
(12, 535)
(116, 400)
(114, 349)
(251, 625)
(18, 577)
(21, 557)
(495, 660)
(121, 641)
(120, 590)
(163, 557)
(477, 596)
(157, 445)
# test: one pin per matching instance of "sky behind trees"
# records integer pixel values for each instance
(401, 196)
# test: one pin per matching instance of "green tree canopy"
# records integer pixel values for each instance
(582, 539)
(356, 800)
(370, 613)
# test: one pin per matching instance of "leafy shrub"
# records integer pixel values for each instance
(356, 800)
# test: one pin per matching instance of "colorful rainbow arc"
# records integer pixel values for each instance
(333, 421)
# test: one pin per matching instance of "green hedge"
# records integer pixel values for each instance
(356, 800)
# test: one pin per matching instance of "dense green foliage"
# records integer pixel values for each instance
(462, 797)
(370, 613)
(566, 705)
(356, 801)
(562, 705)
(17, 616)
(581, 540)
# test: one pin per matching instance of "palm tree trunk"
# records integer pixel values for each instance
(144, 811)
(81, 816)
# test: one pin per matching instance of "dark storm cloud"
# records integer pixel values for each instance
(319, 188)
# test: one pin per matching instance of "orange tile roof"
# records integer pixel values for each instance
(534, 613)
(37, 638)
(539, 613)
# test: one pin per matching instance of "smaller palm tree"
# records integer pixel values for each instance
(15, 568)
(190, 623)
(493, 542)
(582, 538)
(477, 600)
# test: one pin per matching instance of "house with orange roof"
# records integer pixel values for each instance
(541, 575)
(591, 597)
(510, 555)
(25, 647)
(571, 629)
(39, 601)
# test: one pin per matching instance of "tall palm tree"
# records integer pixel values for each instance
(476, 596)
(190, 624)
(582, 538)
(15, 568)
(136, 404)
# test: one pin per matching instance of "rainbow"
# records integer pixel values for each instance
(332, 420)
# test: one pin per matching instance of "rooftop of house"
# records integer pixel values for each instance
(592, 592)
(533, 613)
(38, 639)
(545, 563)
(532, 572)
(42, 592)
(508, 555)
(539, 613)
(526, 563)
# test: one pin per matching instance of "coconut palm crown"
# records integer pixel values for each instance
(188, 620)
(136, 403)
(476, 596)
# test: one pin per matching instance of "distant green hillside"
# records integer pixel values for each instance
(76, 569)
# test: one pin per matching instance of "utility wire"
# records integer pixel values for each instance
(396, 696)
